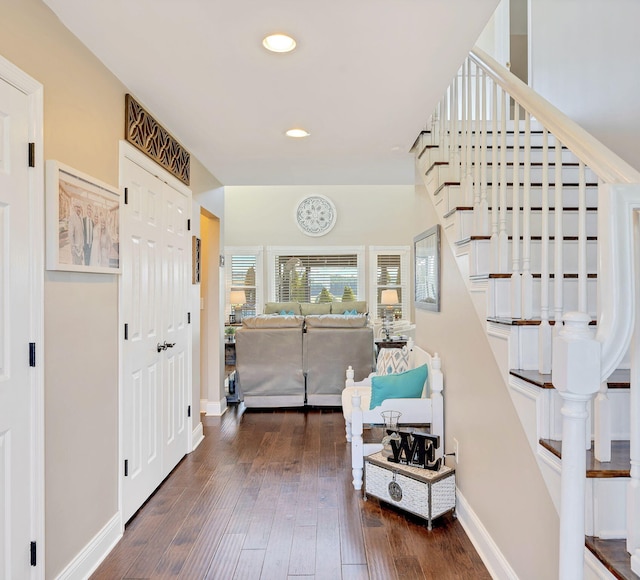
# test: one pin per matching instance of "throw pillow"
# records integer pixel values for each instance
(350, 312)
(392, 360)
(285, 313)
(407, 385)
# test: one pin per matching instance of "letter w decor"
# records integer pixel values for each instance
(145, 133)
(416, 449)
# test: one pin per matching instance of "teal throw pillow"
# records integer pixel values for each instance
(350, 312)
(407, 385)
(285, 313)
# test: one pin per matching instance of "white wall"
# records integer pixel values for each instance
(584, 60)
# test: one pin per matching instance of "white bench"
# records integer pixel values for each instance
(356, 398)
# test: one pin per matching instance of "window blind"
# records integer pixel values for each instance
(316, 278)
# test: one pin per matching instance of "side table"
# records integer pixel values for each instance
(422, 492)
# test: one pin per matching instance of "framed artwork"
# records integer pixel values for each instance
(82, 222)
(426, 248)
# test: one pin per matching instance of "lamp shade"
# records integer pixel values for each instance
(389, 297)
(237, 297)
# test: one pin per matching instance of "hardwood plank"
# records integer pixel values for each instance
(249, 565)
(302, 560)
(328, 563)
(226, 557)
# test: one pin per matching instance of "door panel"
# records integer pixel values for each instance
(154, 291)
(15, 385)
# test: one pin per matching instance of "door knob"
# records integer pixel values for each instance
(162, 347)
(169, 344)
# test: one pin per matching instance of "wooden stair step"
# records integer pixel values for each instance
(520, 321)
(566, 275)
(619, 379)
(613, 555)
(619, 466)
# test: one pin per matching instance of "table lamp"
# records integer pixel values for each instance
(389, 299)
(237, 298)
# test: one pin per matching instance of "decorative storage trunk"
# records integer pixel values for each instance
(422, 492)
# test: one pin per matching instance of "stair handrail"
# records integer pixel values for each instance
(615, 315)
(606, 164)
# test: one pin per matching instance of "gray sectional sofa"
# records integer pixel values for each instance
(295, 360)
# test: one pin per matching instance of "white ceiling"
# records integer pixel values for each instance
(363, 79)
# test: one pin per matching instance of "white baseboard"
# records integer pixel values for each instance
(487, 549)
(91, 556)
(203, 405)
(197, 436)
(216, 408)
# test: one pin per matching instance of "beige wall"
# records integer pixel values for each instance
(369, 215)
(83, 122)
(498, 474)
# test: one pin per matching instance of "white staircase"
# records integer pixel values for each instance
(543, 221)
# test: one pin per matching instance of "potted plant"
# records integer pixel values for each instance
(229, 332)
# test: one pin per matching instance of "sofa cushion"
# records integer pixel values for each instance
(277, 307)
(271, 321)
(407, 385)
(307, 308)
(360, 306)
(335, 321)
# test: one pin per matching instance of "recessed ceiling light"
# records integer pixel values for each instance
(297, 133)
(279, 43)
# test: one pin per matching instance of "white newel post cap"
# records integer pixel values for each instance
(576, 356)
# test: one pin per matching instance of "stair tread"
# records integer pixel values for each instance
(619, 466)
(533, 238)
(619, 379)
(518, 321)
(566, 275)
(613, 555)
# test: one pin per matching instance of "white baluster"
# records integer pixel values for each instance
(476, 151)
(516, 275)
(527, 278)
(468, 193)
(544, 331)
(576, 377)
(558, 265)
(484, 203)
(582, 240)
(463, 121)
(495, 264)
(453, 120)
(503, 239)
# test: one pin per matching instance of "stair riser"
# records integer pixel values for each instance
(480, 256)
(499, 297)
(465, 224)
(570, 195)
(606, 507)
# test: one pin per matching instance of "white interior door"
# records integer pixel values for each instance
(156, 350)
(16, 421)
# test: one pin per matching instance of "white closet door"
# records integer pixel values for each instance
(15, 387)
(156, 355)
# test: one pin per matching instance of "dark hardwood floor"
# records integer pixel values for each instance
(268, 495)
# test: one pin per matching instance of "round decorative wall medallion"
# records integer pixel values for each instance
(316, 215)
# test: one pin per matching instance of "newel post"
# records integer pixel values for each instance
(576, 377)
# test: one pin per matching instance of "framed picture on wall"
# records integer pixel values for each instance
(426, 248)
(82, 222)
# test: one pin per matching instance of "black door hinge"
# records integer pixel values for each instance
(189, 225)
(32, 154)
(126, 331)
(33, 554)
(32, 354)
(189, 411)
(126, 195)
(126, 467)
(188, 317)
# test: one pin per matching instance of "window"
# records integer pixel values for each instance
(389, 270)
(243, 266)
(316, 275)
